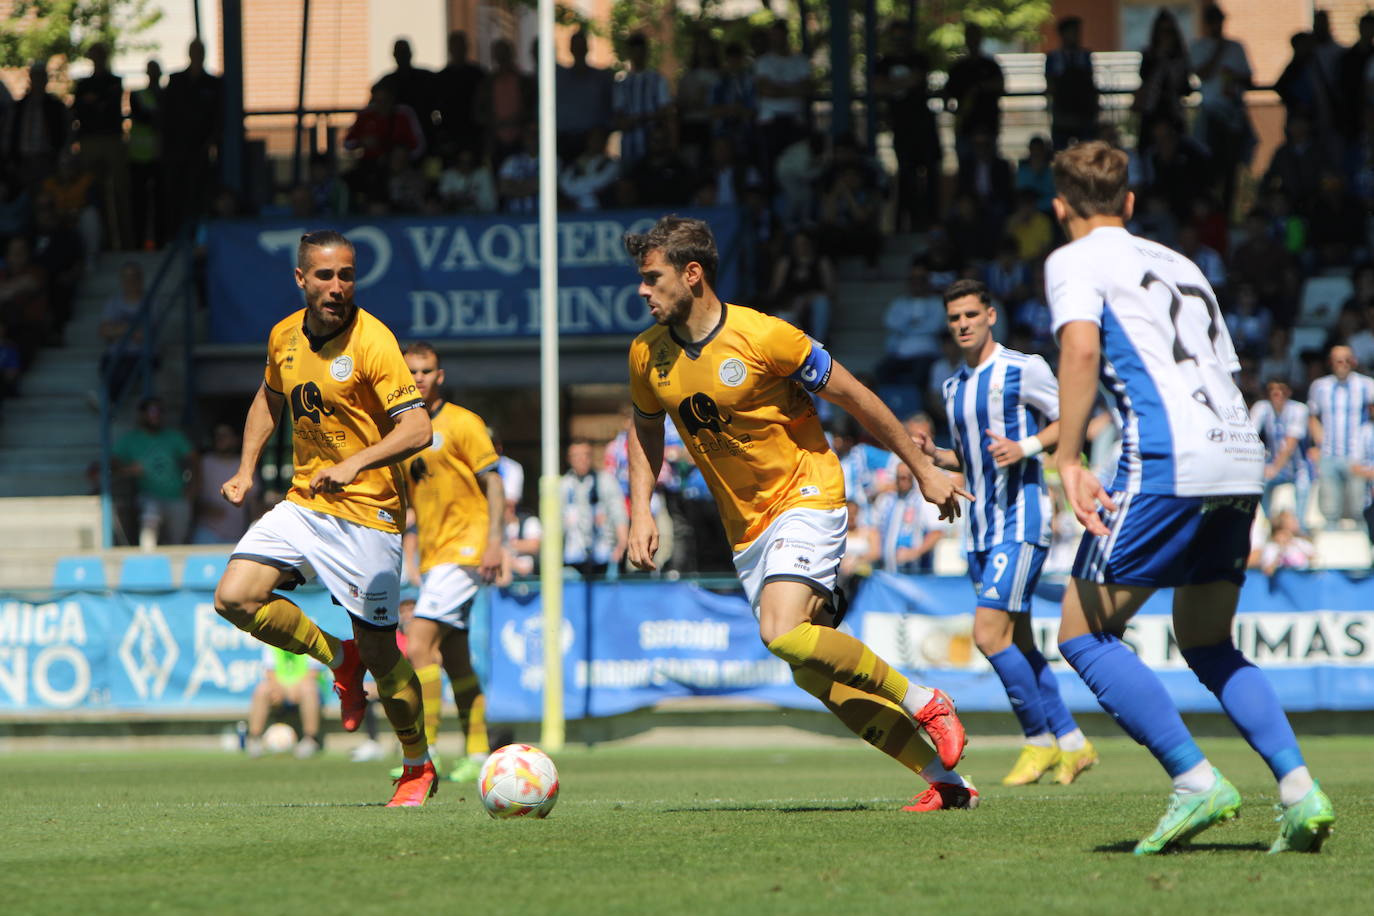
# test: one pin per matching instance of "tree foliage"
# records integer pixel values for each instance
(40, 29)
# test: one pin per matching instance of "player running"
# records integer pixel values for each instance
(1144, 320)
(736, 383)
(1003, 409)
(354, 416)
(460, 507)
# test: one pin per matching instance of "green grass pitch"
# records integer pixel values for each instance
(641, 830)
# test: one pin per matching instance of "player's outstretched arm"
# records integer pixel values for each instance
(411, 433)
(645, 452)
(257, 429)
(844, 390)
(1080, 357)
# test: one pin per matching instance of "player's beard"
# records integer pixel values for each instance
(328, 319)
(677, 312)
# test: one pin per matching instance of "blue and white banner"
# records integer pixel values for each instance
(445, 278)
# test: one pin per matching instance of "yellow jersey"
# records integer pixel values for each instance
(739, 399)
(344, 392)
(450, 503)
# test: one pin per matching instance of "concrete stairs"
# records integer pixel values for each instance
(863, 293)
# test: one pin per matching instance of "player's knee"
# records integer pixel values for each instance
(236, 606)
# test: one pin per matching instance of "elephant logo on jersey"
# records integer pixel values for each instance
(419, 470)
(308, 401)
(699, 412)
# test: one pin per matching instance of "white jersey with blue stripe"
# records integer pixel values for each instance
(1167, 364)
(1276, 426)
(1342, 406)
(1015, 395)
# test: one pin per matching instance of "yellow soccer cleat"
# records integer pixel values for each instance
(1034, 762)
(1071, 763)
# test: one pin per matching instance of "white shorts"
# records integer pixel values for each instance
(802, 545)
(359, 566)
(446, 593)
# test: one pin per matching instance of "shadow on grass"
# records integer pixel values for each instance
(1128, 846)
(784, 809)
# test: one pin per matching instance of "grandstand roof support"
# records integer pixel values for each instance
(840, 64)
(231, 143)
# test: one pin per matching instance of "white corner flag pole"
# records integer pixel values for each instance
(550, 509)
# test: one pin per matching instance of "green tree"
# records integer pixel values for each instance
(40, 29)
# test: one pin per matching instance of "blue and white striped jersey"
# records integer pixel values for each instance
(1343, 409)
(1167, 363)
(1015, 395)
(1276, 426)
(904, 520)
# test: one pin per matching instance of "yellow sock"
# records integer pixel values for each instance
(431, 691)
(840, 658)
(882, 724)
(404, 705)
(472, 713)
(280, 623)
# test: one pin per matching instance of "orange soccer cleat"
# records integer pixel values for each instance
(415, 786)
(944, 796)
(348, 685)
(939, 720)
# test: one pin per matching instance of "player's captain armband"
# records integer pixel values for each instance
(814, 372)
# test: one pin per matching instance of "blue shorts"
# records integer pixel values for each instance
(1004, 577)
(1168, 541)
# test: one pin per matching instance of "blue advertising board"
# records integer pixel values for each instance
(451, 278)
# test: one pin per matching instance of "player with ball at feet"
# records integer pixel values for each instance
(738, 385)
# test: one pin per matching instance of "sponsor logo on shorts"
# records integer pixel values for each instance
(342, 368)
(380, 613)
(810, 490)
(802, 563)
(353, 591)
(732, 373)
(992, 593)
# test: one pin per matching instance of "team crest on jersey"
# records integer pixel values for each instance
(341, 368)
(732, 372)
(662, 362)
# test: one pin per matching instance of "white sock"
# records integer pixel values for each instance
(935, 771)
(1073, 741)
(1294, 786)
(416, 761)
(916, 698)
(1199, 778)
(1044, 739)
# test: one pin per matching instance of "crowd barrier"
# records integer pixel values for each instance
(630, 644)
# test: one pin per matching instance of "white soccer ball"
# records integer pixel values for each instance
(278, 738)
(517, 780)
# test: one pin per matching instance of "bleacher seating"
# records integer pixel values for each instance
(146, 572)
(79, 572)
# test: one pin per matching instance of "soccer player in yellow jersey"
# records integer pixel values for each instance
(355, 413)
(460, 506)
(738, 384)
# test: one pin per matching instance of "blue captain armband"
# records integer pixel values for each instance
(814, 372)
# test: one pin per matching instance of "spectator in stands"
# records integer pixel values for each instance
(382, 126)
(1352, 78)
(146, 208)
(1223, 123)
(1298, 164)
(287, 681)
(467, 186)
(974, 88)
(518, 178)
(1266, 263)
(1338, 405)
(1176, 169)
(948, 363)
(414, 87)
(1033, 173)
(588, 176)
(641, 103)
(595, 522)
(98, 112)
(851, 214)
(1032, 317)
(1164, 71)
(1006, 276)
(803, 288)
(1336, 231)
(1328, 53)
(987, 177)
(695, 90)
(1286, 547)
(58, 250)
(860, 550)
(915, 323)
(908, 527)
(406, 188)
(734, 103)
(1349, 323)
(72, 190)
(1207, 259)
(511, 471)
(505, 104)
(1283, 425)
(969, 229)
(24, 304)
(726, 178)
(1070, 88)
(38, 129)
(661, 176)
(118, 318)
(1304, 88)
(901, 78)
(1030, 227)
(583, 99)
(192, 123)
(1248, 321)
(328, 194)
(782, 82)
(455, 99)
(796, 178)
(523, 537)
(1279, 360)
(161, 460)
(943, 258)
(216, 521)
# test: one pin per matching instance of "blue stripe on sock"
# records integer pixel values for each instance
(1022, 690)
(1060, 720)
(1250, 701)
(1134, 696)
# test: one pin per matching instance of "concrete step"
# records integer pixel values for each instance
(44, 483)
(31, 522)
(51, 431)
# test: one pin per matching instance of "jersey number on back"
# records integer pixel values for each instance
(1178, 295)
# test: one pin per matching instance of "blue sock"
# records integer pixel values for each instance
(1016, 674)
(1133, 695)
(1249, 699)
(1060, 720)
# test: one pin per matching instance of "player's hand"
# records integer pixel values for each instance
(236, 488)
(643, 543)
(1085, 492)
(492, 560)
(1004, 451)
(1270, 472)
(332, 479)
(1314, 454)
(940, 490)
(924, 443)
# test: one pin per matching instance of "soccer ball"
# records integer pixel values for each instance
(279, 738)
(518, 780)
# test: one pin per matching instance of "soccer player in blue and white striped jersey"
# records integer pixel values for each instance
(1338, 407)
(1003, 410)
(1142, 320)
(1282, 424)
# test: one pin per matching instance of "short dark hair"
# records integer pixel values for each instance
(682, 240)
(1092, 178)
(961, 288)
(421, 348)
(320, 238)
(1069, 22)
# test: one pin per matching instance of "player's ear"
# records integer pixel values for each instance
(1128, 208)
(692, 274)
(439, 378)
(1061, 209)
(300, 278)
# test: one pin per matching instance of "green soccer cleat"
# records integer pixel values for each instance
(465, 770)
(1190, 814)
(1305, 826)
